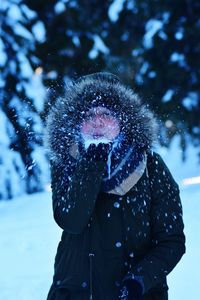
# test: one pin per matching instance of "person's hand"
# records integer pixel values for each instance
(132, 288)
(96, 152)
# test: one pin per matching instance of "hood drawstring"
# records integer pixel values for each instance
(91, 256)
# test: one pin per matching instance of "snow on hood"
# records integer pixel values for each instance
(137, 122)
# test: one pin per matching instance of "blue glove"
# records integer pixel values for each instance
(132, 288)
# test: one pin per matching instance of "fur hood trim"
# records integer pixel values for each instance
(137, 122)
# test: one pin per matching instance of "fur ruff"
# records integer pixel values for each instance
(137, 122)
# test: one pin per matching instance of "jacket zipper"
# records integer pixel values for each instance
(91, 256)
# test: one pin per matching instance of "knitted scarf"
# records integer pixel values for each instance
(125, 166)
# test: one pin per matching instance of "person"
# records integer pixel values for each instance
(113, 196)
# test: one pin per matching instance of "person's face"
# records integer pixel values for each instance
(100, 122)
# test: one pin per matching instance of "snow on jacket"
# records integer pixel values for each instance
(140, 233)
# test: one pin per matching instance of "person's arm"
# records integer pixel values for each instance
(168, 239)
(74, 193)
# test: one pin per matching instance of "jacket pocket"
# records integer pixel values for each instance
(72, 264)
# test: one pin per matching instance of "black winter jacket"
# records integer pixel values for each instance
(143, 234)
(106, 236)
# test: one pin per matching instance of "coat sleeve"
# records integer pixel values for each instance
(74, 192)
(167, 236)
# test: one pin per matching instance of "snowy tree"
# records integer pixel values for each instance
(23, 163)
(152, 45)
(168, 73)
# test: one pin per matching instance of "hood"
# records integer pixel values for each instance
(137, 122)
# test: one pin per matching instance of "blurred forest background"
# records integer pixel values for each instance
(153, 45)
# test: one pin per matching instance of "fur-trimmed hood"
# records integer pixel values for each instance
(137, 122)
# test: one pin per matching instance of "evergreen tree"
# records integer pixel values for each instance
(23, 165)
(152, 45)
(169, 73)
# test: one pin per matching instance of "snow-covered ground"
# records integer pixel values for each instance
(29, 238)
